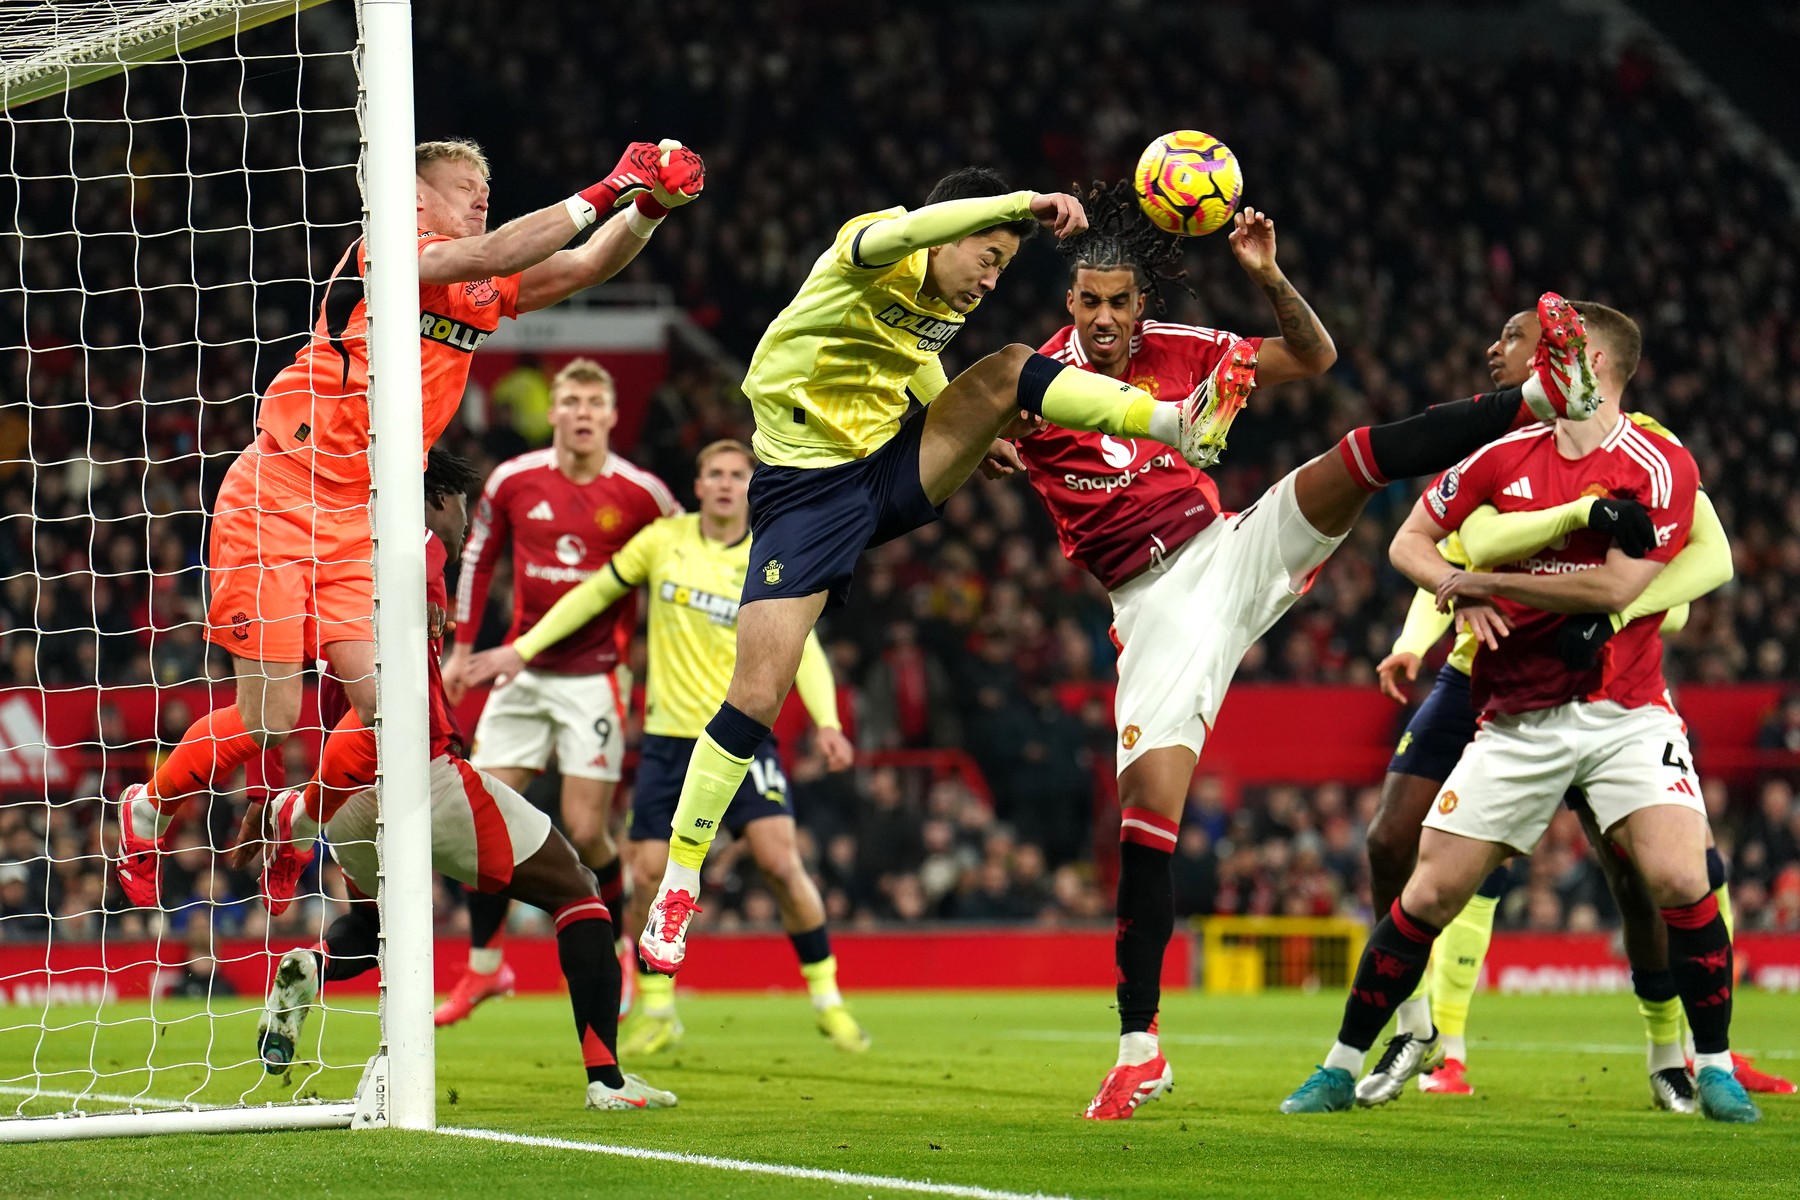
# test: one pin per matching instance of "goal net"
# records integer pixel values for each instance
(182, 177)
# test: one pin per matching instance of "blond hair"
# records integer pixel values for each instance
(452, 150)
(712, 450)
(584, 370)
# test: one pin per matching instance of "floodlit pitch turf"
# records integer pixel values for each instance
(975, 1091)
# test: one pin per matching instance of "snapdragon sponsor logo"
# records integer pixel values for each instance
(1118, 454)
(1552, 566)
(557, 574)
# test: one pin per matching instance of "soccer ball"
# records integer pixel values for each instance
(1188, 182)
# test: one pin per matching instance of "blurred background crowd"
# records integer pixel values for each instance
(1420, 200)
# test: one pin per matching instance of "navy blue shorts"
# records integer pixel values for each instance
(809, 525)
(663, 763)
(1439, 731)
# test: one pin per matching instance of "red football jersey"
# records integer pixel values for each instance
(446, 735)
(1121, 503)
(1524, 472)
(561, 533)
(317, 408)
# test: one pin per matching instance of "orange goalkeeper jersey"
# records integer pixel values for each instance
(317, 409)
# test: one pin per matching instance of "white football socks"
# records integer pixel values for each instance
(1137, 1048)
(1345, 1058)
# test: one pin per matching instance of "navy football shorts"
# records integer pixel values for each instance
(1437, 734)
(809, 525)
(663, 763)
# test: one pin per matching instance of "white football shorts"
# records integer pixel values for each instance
(580, 717)
(1185, 623)
(1509, 782)
(480, 829)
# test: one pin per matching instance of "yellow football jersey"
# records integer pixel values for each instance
(828, 380)
(1462, 653)
(692, 584)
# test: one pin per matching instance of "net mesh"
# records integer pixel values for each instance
(171, 228)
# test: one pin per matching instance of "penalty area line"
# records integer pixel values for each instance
(746, 1166)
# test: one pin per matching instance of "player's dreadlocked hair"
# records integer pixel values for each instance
(447, 474)
(1119, 236)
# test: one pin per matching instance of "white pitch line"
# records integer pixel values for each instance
(849, 1178)
(97, 1097)
(1292, 1039)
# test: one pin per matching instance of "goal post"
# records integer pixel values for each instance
(396, 449)
(152, 287)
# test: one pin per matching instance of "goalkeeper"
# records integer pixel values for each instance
(289, 566)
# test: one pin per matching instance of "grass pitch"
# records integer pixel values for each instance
(975, 1093)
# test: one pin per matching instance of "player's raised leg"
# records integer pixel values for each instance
(1333, 488)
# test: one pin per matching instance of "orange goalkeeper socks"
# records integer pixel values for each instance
(212, 748)
(346, 767)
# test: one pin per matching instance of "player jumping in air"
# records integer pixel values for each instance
(1607, 728)
(565, 510)
(289, 567)
(692, 568)
(1191, 587)
(1445, 724)
(844, 466)
(483, 833)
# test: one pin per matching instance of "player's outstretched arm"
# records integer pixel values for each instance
(528, 240)
(577, 606)
(1414, 553)
(1703, 565)
(609, 251)
(1305, 348)
(886, 242)
(1424, 626)
(1610, 587)
(1493, 538)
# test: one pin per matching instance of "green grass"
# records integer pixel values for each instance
(967, 1089)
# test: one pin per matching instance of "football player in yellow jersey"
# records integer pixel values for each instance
(1445, 723)
(692, 567)
(848, 463)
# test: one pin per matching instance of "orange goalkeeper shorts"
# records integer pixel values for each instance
(290, 564)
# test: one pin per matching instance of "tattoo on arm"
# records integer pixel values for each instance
(1300, 326)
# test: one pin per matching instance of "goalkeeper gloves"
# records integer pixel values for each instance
(635, 174)
(1626, 521)
(679, 179)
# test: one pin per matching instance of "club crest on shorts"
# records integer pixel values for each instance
(1129, 736)
(772, 572)
(240, 626)
(1447, 803)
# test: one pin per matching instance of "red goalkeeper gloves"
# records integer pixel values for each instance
(634, 175)
(658, 178)
(679, 179)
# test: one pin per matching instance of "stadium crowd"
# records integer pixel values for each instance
(1419, 203)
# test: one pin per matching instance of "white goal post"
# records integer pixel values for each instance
(62, 1026)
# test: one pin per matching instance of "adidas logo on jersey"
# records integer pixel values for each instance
(1519, 489)
(541, 512)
